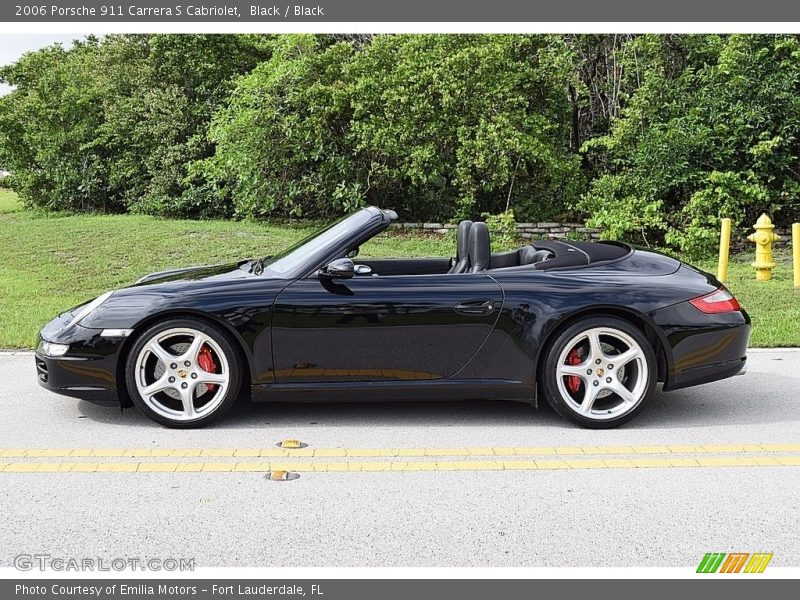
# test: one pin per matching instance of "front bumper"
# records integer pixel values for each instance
(88, 370)
(78, 377)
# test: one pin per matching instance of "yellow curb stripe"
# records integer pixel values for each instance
(108, 453)
(83, 468)
(158, 467)
(270, 452)
(21, 468)
(191, 467)
(218, 452)
(330, 452)
(651, 449)
(685, 449)
(247, 453)
(218, 466)
(300, 452)
(187, 452)
(780, 447)
(48, 467)
(13, 453)
(634, 452)
(411, 452)
(683, 462)
(259, 467)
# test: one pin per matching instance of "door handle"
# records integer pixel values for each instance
(475, 307)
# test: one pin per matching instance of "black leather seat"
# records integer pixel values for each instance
(529, 255)
(479, 248)
(461, 264)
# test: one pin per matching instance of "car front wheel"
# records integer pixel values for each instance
(599, 372)
(183, 373)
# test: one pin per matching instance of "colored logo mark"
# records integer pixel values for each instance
(734, 562)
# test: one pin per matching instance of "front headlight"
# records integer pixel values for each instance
(82, 313)
(51, 349)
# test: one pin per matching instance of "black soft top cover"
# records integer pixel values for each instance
(579, 254)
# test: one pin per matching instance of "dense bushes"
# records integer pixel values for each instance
(654, 138)
(711, 132)
(435, 126)
(113, 125)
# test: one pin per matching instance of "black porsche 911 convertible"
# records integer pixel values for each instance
(589, 327)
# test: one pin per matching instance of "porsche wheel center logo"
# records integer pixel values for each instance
(183, 373)
(600, 372)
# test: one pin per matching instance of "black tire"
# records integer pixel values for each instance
(225, 345)
(549, 364)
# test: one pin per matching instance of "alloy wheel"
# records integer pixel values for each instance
(182, 374)
(602, 373)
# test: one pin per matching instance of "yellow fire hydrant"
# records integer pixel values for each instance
(763, 239)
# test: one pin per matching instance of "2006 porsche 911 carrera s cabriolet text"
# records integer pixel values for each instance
(588, 327)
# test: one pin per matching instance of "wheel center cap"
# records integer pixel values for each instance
(600, 372)
(182, 373)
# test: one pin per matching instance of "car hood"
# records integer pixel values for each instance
(202, 273)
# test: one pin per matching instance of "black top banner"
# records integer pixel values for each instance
(119, 11)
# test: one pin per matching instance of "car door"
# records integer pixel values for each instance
(381, 328)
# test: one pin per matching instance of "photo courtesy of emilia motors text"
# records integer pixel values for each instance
(346, 299)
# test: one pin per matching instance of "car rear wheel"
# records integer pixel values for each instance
(599, 372)
(183, 373)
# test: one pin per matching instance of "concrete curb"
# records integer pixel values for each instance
(759, 350)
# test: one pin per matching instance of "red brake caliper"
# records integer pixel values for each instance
(573, 382)
(206, 361)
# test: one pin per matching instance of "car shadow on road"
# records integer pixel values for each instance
(741, 400)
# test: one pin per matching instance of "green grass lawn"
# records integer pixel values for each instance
(9, 202)
(51, 263)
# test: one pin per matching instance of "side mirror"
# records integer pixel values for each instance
(341, 268)
(363, 270)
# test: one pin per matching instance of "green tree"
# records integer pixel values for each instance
(454, 125)
(47, 129)
(710, 133)
(281, 141)
(111, 125)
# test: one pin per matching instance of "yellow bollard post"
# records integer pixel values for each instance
(796, 253)
(724, 250)
(763, 238)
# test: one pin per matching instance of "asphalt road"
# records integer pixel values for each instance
(715, 468)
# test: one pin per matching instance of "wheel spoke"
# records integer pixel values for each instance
(187, 399)
(573, 370)
(624, 393)
(157, 386)
(595, 347)
(214, 378)
(623, 359)
(194, 348)
(588, 398)
(160, 352)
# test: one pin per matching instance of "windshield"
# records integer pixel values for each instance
(316, 245)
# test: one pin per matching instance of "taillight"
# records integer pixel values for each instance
(720, 301)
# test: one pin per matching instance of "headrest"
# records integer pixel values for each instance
(462, 239)
(529, 255)
(480, 251)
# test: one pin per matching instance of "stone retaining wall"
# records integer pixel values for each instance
(543, 230)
